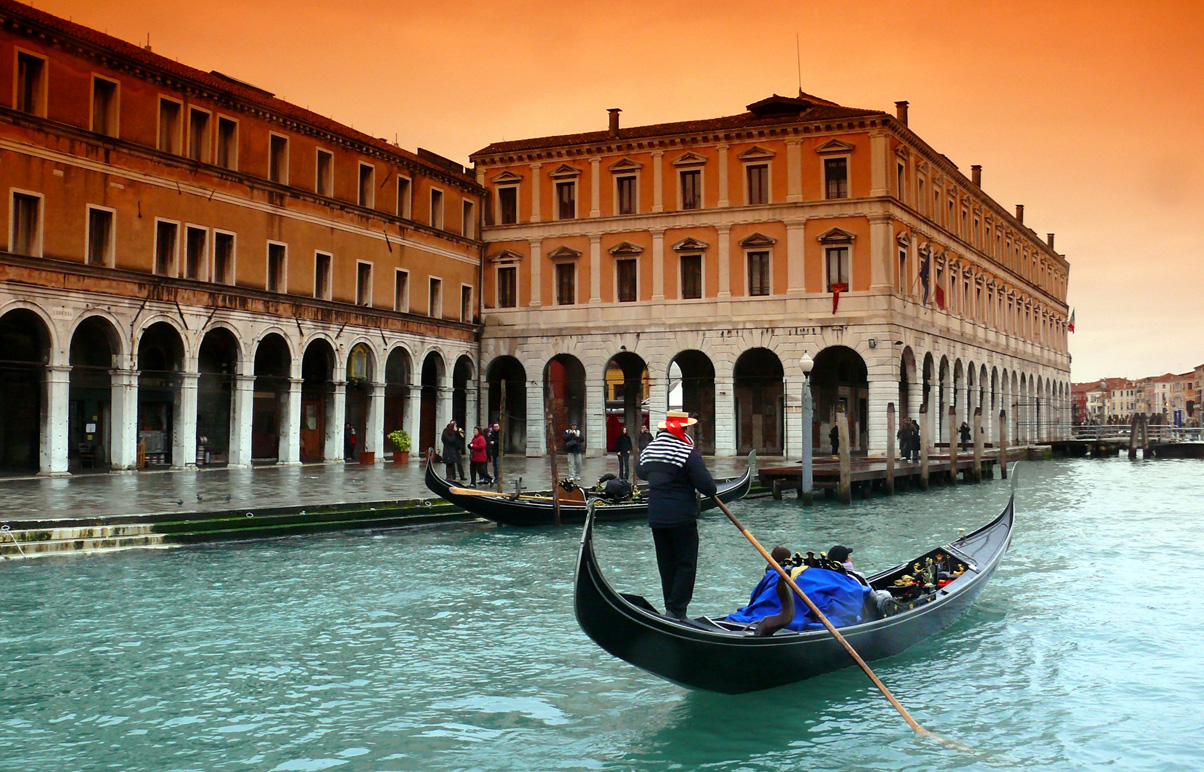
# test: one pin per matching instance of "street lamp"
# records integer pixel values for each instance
(806, 485)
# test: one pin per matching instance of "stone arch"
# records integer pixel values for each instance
(361, 371)
(909, 388)
(399, 379)
(318, 411)
(272, 367)
(164, 436)
(840, 384)
(565, 387)
(218, 363)
(696, 388)
(462, 380)
(511, 411)
(758, 379)
(95, 349)
(434, 370)
(625, 393)
(26, 343)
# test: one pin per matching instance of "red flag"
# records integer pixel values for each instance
(836, 290)
(939, 296)
(1071, 326)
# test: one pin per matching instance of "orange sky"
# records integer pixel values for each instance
(1091, 114)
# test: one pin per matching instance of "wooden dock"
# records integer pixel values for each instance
(867, 475)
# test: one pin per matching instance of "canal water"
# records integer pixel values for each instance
(455, 648)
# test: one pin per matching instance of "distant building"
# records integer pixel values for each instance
(725, 248)
(195, 271)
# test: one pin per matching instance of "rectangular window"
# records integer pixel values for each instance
(691, 277)
(227, 143)
(277, 265)
(758, 184)
(507, 201)
(401, 291)
(691, 189)
(27, 227)
(363, 284)
(466, 313)
(899, 181)
(195, 242)
(223, 257)
(437, 209)
(468, 220)
(367, 185)
(838, 267)
(507, 286)
(198, 135)
(31, 84)
(166, 235)
(324, 184)
(100, 236)
(169, 126)
(278, 159)
(104, 106)
(403, 198)
(903, 287)
(566, 200)
(566, 284)
(626, 190)
(758, 273)
(626, 276)
(435, 299)
(323, 266)
(836, 178)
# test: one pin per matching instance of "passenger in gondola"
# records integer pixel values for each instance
(844, 556)
(840, 597)
(675, 473)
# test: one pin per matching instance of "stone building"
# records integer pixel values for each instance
(195, 271)
(709, 255)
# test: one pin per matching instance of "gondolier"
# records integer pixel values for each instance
(675, 470)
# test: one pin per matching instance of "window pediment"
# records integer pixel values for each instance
(903, 239)
(834, 146)
(505, 257)
(836, 236)
(564, 170)
(758, 240)
(756, 153)
(625, 165)
(925, 249)
(903, 152)
(689, 159)
(690, 244)
(564, 253)
(506, 178)
(626, 249)
(922, 167)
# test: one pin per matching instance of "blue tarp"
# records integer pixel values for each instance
(841, 598)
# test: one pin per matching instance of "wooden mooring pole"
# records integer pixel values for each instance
(924, 447)
(890, 449)
(1003, 444)
(845, 491)
(953, 444)
(978, 444)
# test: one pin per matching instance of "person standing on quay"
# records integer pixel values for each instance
(675, 470)
(574, 447)
(493, 440)
(623, 451)
(451, 450)
(478, 455)
(645, 438)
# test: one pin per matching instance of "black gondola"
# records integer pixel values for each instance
(535, 507)
(721, 657)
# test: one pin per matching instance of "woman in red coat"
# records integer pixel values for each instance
(478, 457)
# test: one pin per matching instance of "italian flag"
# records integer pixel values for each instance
(1071, 325)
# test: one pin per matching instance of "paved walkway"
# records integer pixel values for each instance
(204, 490)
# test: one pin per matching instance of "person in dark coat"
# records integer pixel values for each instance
(493, 440)
(623, 451)
(963, 432)
(463, 450)
(834, 436)
(574, 447)
(675, 473)
(451, 450)
(645, 438)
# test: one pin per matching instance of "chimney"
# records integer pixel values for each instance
(1020, 213)
(1049, 238)
(901, 111)
(614, 120)
(976, 175)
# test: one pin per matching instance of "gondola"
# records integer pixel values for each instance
(532, 508)
(718, 656)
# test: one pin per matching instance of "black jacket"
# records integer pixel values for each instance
(574, 442)
(623, 443)
(674, 471)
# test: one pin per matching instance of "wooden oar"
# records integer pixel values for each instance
(493, 495)
(831, 629)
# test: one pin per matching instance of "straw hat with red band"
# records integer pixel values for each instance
(678, 418)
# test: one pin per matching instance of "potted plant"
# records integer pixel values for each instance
(401, 446)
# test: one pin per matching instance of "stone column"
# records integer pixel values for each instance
(290, 425)
(536, 417)
(595, 269)
(443, 407)
(658, 265)
(878, 164)
(658, 184)
(724, 197)
(374, 426)
(52, 460)
(795, 257)
(336, 421)
(183, 435)
(724, 233)
(595, 412)
(242, 405)
(725, 415)
(882, 250)
(536, 270)
(123, 446)
(794, 171)
(595, 187)
(413, 418)
(883, 391)
(535, 191)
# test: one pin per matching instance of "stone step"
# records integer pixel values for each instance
(43, 547)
